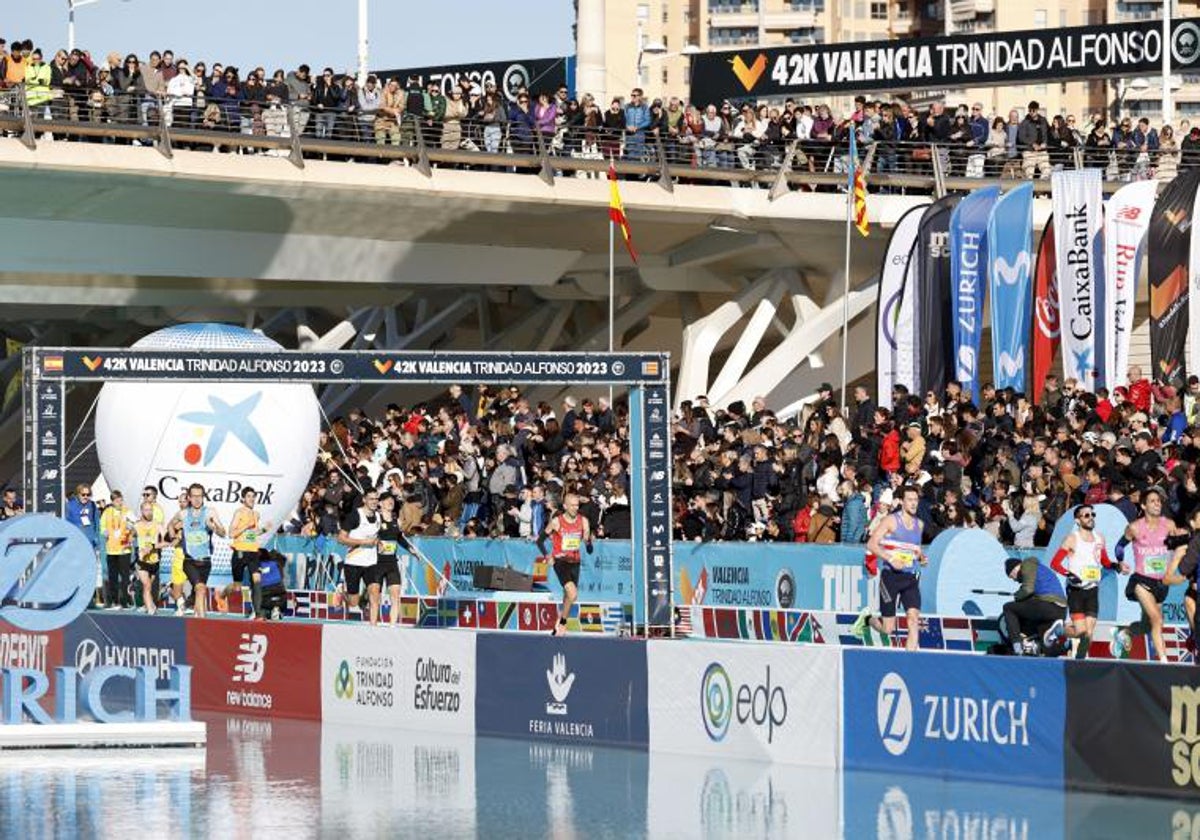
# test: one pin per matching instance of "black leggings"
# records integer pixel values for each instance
(116, 589)
(1030, 617)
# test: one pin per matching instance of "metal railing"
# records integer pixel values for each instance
(517, 145)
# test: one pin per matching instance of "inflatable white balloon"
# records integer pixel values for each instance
(226, 436)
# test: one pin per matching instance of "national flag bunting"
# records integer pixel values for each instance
(858, 186)
(616, 211)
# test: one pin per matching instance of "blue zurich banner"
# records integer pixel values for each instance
(1010, 246)
(961, 717)
(968, 272)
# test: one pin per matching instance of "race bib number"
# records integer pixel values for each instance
(1156, 564)
(571, 542)
(197, 539)
(1091, 574)
(388, 547)
(250, 536)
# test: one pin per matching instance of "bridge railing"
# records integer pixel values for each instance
(283, 130)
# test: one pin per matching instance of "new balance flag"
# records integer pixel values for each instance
(616, 211)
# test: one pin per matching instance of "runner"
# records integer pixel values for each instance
(567, 531)
(196, 524)
(178, 578)
(1151, 555)
(245, 530)
(1080, 559)
(360, 532)
(869, 618)
(150, 542)
(118, 548)
(1183, 569)
(387, 566)
(897, 542)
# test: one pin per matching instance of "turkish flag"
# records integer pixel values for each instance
(547, 616)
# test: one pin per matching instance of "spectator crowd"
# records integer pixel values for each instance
(488, 462)
(74, 86)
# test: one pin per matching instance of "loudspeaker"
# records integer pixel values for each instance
(502, 578)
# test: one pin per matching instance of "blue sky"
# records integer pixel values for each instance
(285, 33)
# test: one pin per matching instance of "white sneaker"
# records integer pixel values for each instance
(179, 608)
(1054, 634)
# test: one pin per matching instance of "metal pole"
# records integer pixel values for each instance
(612, 296)
(1168, 109)
(363, 42)
(846, 290)
(70, 25)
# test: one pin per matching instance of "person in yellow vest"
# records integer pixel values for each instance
(150, 542)
(245, 533)
(150, 495)
(37, 86)
(15, 63)
(116, 529)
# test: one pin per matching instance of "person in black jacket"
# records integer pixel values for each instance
(615, 521)
(327, 101)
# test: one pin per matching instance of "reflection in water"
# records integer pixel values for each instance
(286, 778)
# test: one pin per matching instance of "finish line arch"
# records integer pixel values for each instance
(49, 370)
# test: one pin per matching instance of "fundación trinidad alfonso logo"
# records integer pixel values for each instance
(225, 420)
(749, 75)
(343, 682)
(716, 701)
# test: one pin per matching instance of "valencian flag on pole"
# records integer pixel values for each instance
(858, 186)
(1169, 246)
(616, 211)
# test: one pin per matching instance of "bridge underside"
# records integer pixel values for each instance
(103, 243)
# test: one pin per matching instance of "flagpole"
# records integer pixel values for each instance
(612, 297)
(846, 284)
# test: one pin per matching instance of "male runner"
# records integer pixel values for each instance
(178, 578)
(897, 542)
(196, 524)
(245, 531)
(567, 531)
(150, 542)
(1080, 559)
(387, 566)
(1149, 536)
(118, 548)
(360, 532)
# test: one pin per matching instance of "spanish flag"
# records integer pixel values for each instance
(858, 185)
(616, 211)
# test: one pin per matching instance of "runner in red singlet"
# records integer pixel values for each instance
(568, 532)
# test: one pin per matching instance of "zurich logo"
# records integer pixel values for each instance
(894, 714)
(47, 572)
(225, 420)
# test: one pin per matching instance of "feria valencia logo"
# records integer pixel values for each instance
(47, 572)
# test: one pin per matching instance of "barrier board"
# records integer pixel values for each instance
(255, 668)
(97, 639)
(1133, 728)
(561, 689)
(36, 651)
(383, 676)
(990, 718)
(735, 701)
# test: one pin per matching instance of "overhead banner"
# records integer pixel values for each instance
(1047, 323)
(1169, 245)
(1078, 200)
(968, 282)
(933, 278)
(896, 342)
(960, 61)
(534, 74)
(1126, 220)
(1010, 246)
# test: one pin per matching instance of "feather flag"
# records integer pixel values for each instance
(616, 211)
(858, 186)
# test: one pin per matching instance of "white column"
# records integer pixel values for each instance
(1168, 108)
(363, 43)
(589, 49)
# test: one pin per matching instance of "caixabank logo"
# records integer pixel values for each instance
(955, 714)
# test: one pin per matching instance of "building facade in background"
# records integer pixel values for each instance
(665, 32)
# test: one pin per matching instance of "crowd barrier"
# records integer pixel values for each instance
(1047, 723)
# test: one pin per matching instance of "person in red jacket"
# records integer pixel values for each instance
(802, 521)
(1139, 389)
(889, 450)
